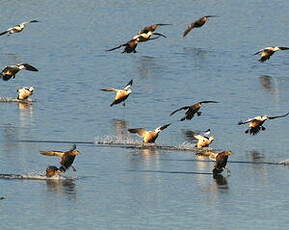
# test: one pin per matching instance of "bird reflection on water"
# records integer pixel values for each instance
(268, 84)
(61, 187)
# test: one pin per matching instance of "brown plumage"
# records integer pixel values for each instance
(221, 162)
(17, 28)
(25, 92)
(146, 33)
(192, 110)
(196, 24)
(130, 46)
(256, 123)
(267, 52)
(202, 140)
(10, 71)
(120, 94)
(67, 157)
(53, 171)
(148, 136)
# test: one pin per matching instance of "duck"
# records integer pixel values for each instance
(256, 123)
(221, 162)
(17, 28)
(67, 157)
(52, 171)
(146, 33)
(25, 92)
(120, 94)
(130, 46)
(192, 110)
(11, 70)
(149, 136)
(202, 140)
(197, 24)
(267, 52)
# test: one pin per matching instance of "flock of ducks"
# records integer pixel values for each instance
(8, 72)
(146, 34)
(203, 140)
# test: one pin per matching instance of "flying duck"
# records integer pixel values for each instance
(17, 28)
(221, 162)
(196, 24)
(120, 94)
(149, 136)
(53, 171)
(202, 140)
(267, 52)
(67, 157)
(10, 71)
(130, 46)
(25, 92)
(146, 33)
(192, 110)
(256, 123)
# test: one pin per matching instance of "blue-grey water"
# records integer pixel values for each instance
(126, 188)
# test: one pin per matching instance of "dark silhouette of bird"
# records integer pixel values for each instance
(256, 123)
(11, 70)
(120, 94)
(149, 136)
(197, 24)
(17, 28)
(221, 162)
(267, 52)
(67, 157)
(192, 110)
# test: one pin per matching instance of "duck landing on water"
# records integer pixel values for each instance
(53, 171)
(202, 140)
(120, 94)
(256, 123)
(25, 92)
(192, 110)
(267, 52)
(221, 162)
(11, 70)
(17, 28)
(149, 136)
(197, 24)
(67, 157)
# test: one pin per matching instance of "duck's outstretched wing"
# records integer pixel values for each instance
(128, 85)
(116, 47)
(109, 89)
(245, 122)
(284, 115)
(29, 67)
(5, 32)
(52, 153)
(139, 131)
(182, 108)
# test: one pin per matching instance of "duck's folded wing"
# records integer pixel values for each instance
(52, 153)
